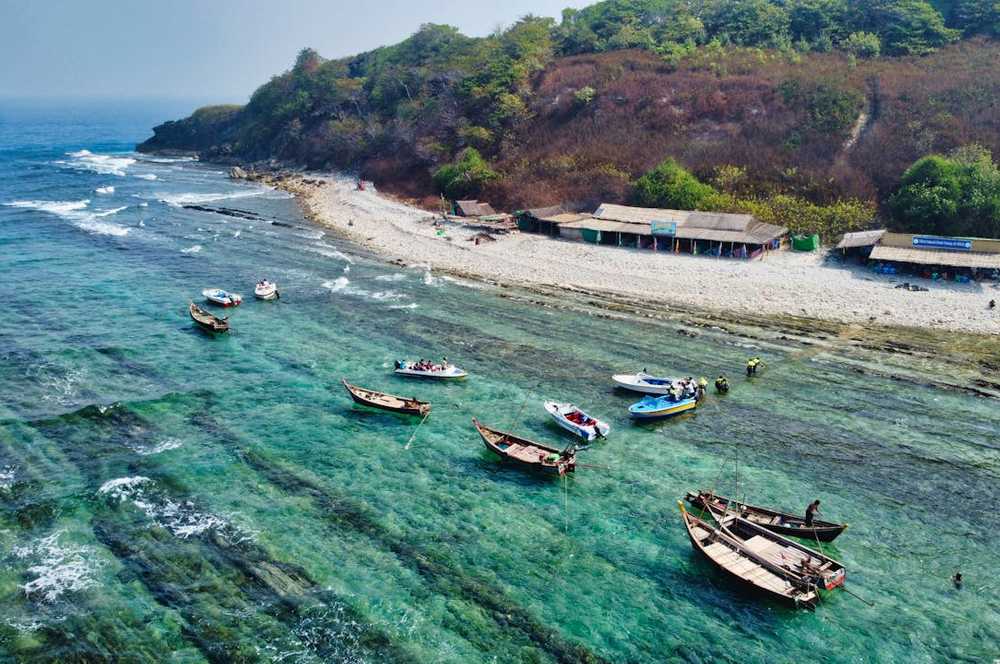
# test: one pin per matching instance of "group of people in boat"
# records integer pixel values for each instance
(688, 388)
(424, 365)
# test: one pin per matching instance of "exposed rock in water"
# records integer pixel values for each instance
(237, 173)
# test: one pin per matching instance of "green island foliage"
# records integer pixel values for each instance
(957, 194)
(583, 109)
(670, 186)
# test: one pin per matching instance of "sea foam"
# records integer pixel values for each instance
(77, 213)
(104, 164)
(58, 568)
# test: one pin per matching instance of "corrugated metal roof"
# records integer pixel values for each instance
(475, 208)
(719, 221)
(609, 226)
(862, 239)
(565, 218)
(542, 212)
(929, 257)
(758, 234)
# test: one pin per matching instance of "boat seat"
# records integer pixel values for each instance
(700, 533)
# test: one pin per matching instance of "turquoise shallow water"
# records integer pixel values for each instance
(169, 496)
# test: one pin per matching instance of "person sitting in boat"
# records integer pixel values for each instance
(811, 512)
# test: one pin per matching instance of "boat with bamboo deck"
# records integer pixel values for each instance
(788, 525)
(816, 568)
(527, 453)
(750, 569)
(385, 401)
(207, 321)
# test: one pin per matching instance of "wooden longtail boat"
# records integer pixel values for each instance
(750, 569)
(385, 401)
(788, 525)
(546, 459)
(816, 568)
(206, 320)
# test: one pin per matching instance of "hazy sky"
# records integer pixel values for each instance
(216, 50)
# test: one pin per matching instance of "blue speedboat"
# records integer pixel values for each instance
(655, 408)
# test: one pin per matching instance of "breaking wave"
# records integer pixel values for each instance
(391, 277)
(182, 519)
(104, 164)
(338, 284)
(329, 251)
(192, 250)
(58, 569)
(76, 212)
(7, 474)
(147, 176)
(105, 191)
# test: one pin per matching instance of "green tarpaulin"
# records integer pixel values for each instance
(805, 242)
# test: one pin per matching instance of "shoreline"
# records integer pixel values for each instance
(800, 286)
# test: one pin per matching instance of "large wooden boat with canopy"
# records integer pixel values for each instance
(206, 320)
(753, 571)
(384, 401)
(788, 525)
(527, 453)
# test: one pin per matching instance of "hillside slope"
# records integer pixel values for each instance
(577, 111)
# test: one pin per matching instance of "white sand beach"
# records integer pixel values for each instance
(784, 283)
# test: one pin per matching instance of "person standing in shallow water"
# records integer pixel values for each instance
(811, 512)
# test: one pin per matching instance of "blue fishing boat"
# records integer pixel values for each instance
(656, 408)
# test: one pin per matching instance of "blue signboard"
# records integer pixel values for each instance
(667, 228)
(923, 242)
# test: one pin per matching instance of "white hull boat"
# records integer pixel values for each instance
(222, 298)
(434, 371)
(643, 383)
(576, 421)
(266, 291)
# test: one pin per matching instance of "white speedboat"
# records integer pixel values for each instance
(644, 383)
(222, 298)
(576, 421)
(265, 290)
(443, 371)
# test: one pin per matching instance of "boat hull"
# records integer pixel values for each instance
(644, 384)
(358, 396)
(665, 410)
(228, 300)
(588, 433)
(495, 441)
(824, 532)
(458, 374)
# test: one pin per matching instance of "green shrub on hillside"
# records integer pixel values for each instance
(669, 185)
(466, 176)
(954, 195)
(863, 45)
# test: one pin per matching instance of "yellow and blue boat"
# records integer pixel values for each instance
(656, 408)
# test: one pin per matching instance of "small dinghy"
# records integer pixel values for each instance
(265, 290)
(206, 320)
(788, 525)
(656, 408)
(576, 421)
(644, 383)
(754, 571)
(425, 369)
(527, 453)
(222, 298)
(385, 401)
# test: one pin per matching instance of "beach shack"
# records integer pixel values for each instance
(473, 209)
(929, 256)
(548, 220)
(678, 231)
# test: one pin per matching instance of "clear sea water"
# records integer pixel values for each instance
(167, 496)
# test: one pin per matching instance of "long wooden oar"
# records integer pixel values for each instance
(857, 596)
(410, 441)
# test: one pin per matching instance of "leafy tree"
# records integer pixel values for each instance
(466, 176)
(748, 22)
(906, 27)
(958, 194)
(976, 16)
(863, 45)
(670, 186)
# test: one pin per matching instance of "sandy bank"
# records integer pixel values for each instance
(785, 283)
